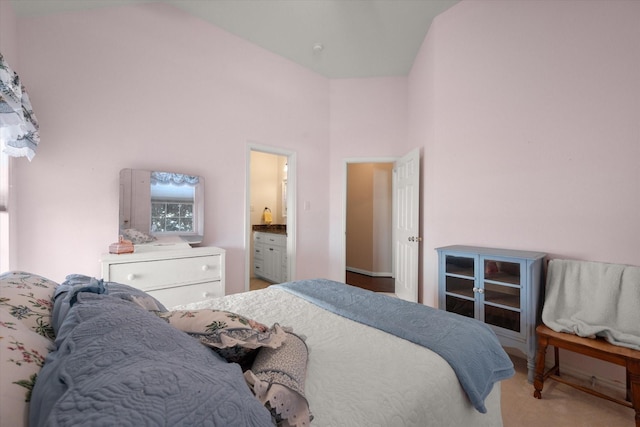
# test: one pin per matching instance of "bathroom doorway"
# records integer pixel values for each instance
(270, 187)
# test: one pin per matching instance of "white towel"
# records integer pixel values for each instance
(594, 299)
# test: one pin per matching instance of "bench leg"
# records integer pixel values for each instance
(633, 376)
(538, 380)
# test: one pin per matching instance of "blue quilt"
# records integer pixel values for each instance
(469, 346)
(117, 364)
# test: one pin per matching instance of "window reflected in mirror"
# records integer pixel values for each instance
(162, 203)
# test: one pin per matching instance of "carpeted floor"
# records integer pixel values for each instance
(560, 406)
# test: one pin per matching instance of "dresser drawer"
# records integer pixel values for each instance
(155, 274)
(179, 295)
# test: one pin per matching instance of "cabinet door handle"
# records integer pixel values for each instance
(478, 290)
(270, 249)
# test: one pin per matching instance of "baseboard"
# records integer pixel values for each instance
(368, 273)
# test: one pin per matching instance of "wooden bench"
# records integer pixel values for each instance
(596, 348)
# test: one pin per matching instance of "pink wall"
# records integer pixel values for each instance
(149, 86)
(8, 34)
(368, 120)
(530, 117)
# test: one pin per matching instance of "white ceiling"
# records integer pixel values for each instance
(360, 38)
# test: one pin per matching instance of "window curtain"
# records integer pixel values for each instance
(173, 178)
(18, 124)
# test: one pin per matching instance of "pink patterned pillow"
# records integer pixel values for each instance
(29, 299)
(22, 354)
(232, 336)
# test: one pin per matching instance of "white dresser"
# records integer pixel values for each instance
(173, 276)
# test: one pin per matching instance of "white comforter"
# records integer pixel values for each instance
(360, 376)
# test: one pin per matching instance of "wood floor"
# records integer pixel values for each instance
(376, 284)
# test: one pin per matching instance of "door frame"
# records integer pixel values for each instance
(291, 208)
(347, 161)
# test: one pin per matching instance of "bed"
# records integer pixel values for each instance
(336, 370)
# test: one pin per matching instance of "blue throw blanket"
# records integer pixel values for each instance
(116, 364)
(469, 346)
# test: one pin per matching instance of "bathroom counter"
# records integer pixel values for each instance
(273, 228)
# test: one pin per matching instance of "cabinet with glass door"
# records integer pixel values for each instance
(499, 287)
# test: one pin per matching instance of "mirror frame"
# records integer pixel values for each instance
(135, 206)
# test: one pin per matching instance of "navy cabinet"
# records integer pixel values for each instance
(499, 287)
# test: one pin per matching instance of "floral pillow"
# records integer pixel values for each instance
(22, 354)
(234, 337)
(29, 299)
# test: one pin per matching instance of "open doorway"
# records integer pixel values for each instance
(403, 222)
(270, 217)
(368, 233)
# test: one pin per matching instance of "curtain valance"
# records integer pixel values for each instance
(173, 178)
(18, 124)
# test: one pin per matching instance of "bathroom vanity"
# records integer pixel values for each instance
(270, 254)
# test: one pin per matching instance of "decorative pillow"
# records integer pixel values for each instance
(22, 354)
(277, 379)
(136, 236)
(29, 299)
(234, 337)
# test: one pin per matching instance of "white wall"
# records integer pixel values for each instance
(152, 87)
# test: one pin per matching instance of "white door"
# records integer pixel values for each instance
(406, 210)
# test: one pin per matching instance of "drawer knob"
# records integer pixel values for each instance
(205, 267)
(131, 276)
(206, 294)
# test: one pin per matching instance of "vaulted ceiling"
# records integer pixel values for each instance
(335, 38)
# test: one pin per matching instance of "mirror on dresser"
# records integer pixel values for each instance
(162, 203)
